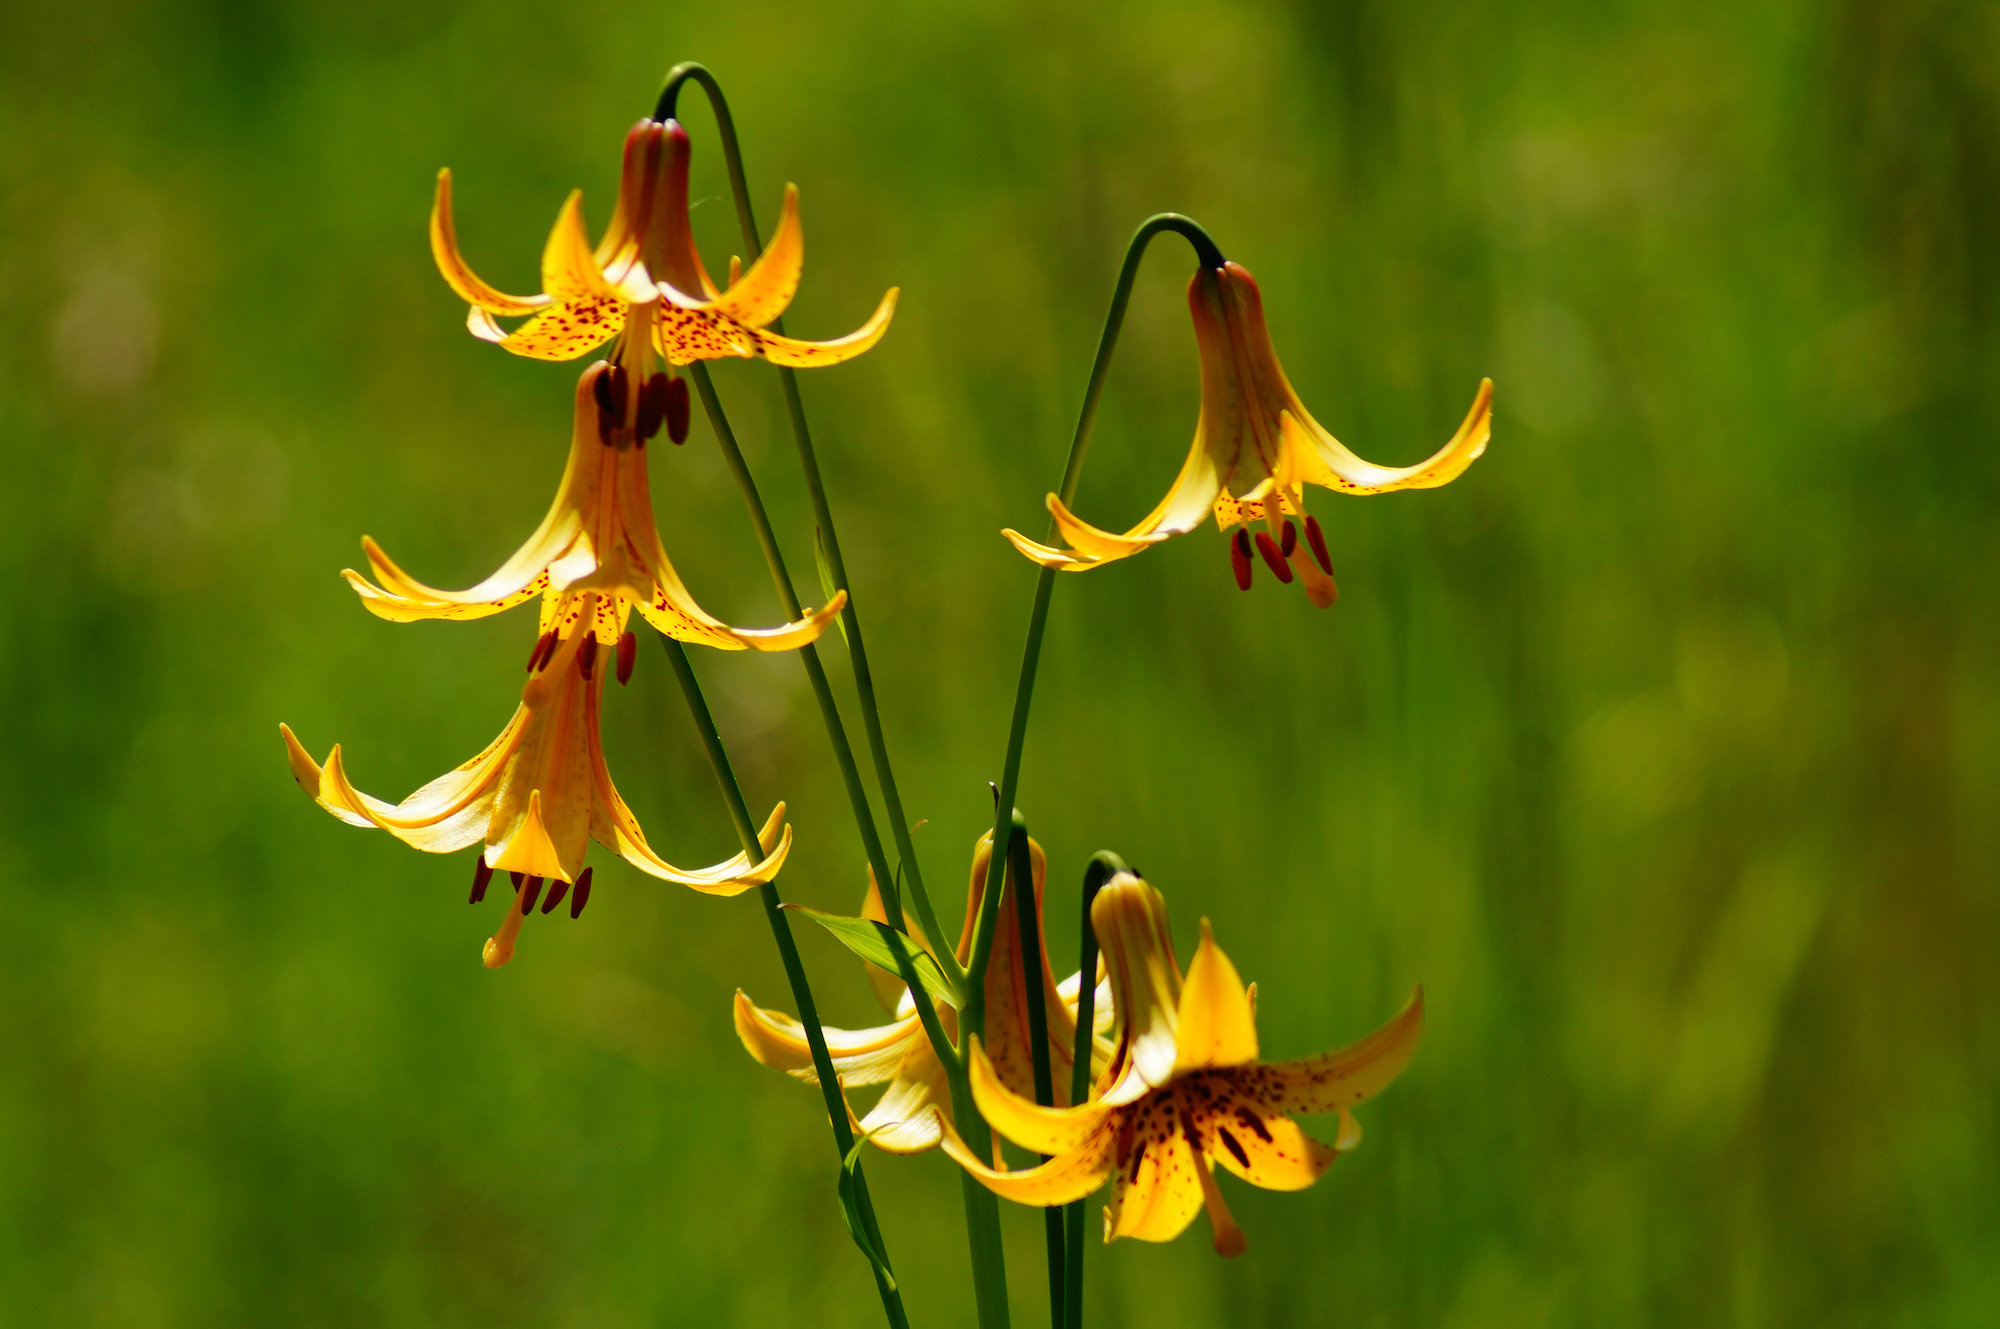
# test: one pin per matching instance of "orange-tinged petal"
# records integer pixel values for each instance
(1062, 1179)
(1265, 1149)
(1046, 1130)
(457, 274)
(761, 294)
(1216, 1026)
(781, 350)
(569, 267)
(572, 328)
(1335, 1081)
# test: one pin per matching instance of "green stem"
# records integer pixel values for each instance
(1028, 916)
(788, 951)
(1104, 865)
(1208, 256)
(843, 753)
(864, 678)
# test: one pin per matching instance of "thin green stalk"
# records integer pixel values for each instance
(1208, 256)
(1104, 865)
(857, 793)
(864, 678)
(788, 951)
(1026, 913)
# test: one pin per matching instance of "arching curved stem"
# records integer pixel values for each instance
(864, 678)
(1209, 256)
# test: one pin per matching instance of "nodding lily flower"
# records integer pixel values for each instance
(906, 1119)
(598, 544)
(1183, 1091)
(647, 259)
(536, 796)
(1255, 449)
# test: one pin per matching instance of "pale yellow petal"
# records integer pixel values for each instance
(1323, 460)
(859, 1056)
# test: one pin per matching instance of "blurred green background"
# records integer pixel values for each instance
(1663, 747)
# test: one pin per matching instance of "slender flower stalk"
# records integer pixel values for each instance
(788, 952)
(864, 679)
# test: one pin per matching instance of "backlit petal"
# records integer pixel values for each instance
(1265, 1149)
(1334, 1081)
(1158, 1192)
(1323, 460)
(457, 274)
(1045, 1130)
(569, 267)
(807, 354)
(1062, 1179)
(1216, 1027)
(572, 328)
(763, 292)
(859, 1056)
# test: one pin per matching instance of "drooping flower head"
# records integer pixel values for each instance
(599, 542)
(1183, 1090)
(1256, 447)
(906, 1119)
(647, 260)
(536, 796)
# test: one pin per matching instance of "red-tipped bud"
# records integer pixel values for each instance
(1288, 540)
(652, 406)
(545, 646)
(557, 888)
(528, 894)
(677, 410)
(1318, 543)
(481, 875)
(1239, 558)
(581, 895)
(628, 655)
(1269, 549)
(586, 654)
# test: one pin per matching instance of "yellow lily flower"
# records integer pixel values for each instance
(1256, 447)
(599, 542)
(1183, 1092)
(907, 1118)
(647, 257)
(536, 796)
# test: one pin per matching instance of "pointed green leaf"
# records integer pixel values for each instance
(851, 1210)
(826, 576)
(885, 946)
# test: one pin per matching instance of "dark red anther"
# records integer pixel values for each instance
(628, 655)
(481, 875)
(1318, 543)
(1239, 558)
(581, 895)
(517, 878)
(1289, 539)
(528, 894)
(556, 891)
(677, 409)
(545, 646)
(1269, 549)
(652, 406)
(586, 654)
(619, 382)
(601, 389)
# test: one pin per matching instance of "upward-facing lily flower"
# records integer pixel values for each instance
(1255, 449)
(536, 796)
(647, 256)
(598, 543)
(902, 1120)
(1183, 1091)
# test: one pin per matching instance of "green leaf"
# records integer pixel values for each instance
(882, 944)
(851, 1210)
(826, 577)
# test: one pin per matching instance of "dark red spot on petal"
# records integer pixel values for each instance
(1229, 1143)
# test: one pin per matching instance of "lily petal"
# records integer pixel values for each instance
(1157, 1199)
(1335, 1081)
(569, 267)
(1324, 460)
(573, 328)
(860, 1056)
(1267, 1150)
(1216, 1026)
(457, 274)
(1062, 1179)
(762, 293)
(1046, 1130)
(781, 350)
